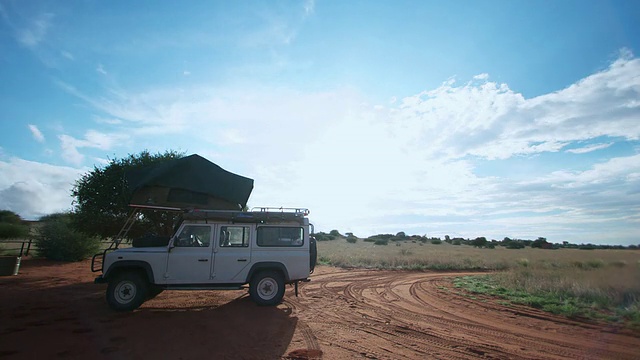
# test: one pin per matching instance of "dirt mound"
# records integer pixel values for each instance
(53, 310)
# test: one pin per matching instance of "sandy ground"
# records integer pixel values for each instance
(53, 310)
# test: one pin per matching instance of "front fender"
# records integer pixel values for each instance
(130, 264)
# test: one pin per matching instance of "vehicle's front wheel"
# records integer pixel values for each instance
(127, 291)
(267, 288)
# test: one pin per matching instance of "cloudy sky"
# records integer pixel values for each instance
(483, 118)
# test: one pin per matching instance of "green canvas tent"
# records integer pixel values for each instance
(189, 182)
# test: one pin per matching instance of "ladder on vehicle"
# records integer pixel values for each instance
(124, 231)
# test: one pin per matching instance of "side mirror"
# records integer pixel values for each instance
(171, 243)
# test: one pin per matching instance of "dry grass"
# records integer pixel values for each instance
(461, 257)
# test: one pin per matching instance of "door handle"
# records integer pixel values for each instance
(242, 259)
(203, 260)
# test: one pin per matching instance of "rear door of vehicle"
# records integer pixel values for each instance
(232, 252)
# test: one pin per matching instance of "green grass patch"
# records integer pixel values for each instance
(596, 305)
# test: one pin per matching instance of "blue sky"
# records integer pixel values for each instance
(486, 118)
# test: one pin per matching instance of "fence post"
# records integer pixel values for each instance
(28, 246)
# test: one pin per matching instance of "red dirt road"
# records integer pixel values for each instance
(53, 310)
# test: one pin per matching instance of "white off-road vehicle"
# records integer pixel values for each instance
(213, 249)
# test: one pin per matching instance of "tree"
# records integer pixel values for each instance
(335, 233)
(540, 243)
(102, 198)
(479, 241)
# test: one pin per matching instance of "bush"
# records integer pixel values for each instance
(9, 217)
(515, 245)
(13, 231)
(352, 239)
(381, 242)
(436, 241)
(456, 242)
(57, 240)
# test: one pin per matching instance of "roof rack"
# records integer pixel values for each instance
(264, 214)
(303, 211)
(257, 214)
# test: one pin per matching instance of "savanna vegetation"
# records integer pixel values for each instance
(573, 280)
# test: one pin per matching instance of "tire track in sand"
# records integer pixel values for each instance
(399, 314)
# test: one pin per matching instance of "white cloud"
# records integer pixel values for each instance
(37, 135)
(483, 76)
(492, 121)
(67, 55)
(589, 148)
(33, 189)
(35, 32)
(309, 7)
(109, 121)
(186, 73)
(92, 139)
(101, 69)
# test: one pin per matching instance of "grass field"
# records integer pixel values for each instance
(594, 284)
(414, 256)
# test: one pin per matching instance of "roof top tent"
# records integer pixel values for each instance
(188, 183)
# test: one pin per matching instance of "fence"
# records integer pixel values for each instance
(22, 242)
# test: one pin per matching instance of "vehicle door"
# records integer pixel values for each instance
(191, 257)
(233, 253)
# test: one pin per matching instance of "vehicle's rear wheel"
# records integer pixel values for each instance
(267, 288)
(127, 291)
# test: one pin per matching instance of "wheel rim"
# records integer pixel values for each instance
(125, 292)
(267, 288)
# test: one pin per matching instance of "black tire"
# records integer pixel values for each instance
(267, 288)
(127, 291)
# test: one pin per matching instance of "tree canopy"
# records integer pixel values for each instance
(102, 198)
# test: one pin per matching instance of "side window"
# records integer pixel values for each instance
(280, 236)
(234, 236)
(194, 236)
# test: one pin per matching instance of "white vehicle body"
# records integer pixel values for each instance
(215, 250)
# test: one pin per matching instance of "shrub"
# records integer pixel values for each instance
(456, 242)
(13, 231)
(57, 240)
(595, 263)
(352, 239)
(381, 242)
(10, 217)
(524, 262)
(406, 252)
(515, 245)
(436, 241)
